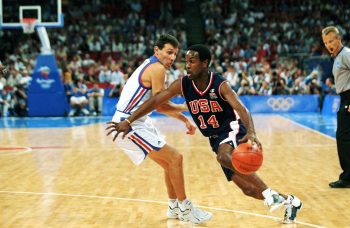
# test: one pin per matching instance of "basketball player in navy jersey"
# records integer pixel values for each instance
(144, 140)
(221, 116)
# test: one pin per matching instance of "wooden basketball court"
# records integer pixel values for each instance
(76, 177)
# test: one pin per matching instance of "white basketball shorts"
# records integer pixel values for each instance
(78, 100)
(142, 139)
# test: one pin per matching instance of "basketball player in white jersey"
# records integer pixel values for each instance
(144, 139)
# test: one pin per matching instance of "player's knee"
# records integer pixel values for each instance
(222, 158)
(177, 159)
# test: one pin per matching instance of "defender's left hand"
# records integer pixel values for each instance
(123, 126)
(191, 129)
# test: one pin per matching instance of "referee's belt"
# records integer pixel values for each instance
(345, 95)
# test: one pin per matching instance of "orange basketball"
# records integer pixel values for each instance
(247, 158)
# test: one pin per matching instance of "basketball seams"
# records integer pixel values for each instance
(247, 159)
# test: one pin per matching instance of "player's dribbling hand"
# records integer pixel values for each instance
(191, 129)
(252, 138)
(123, 126)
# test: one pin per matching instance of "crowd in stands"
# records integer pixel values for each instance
(254, 44)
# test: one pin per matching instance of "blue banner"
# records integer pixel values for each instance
(330, 105)
(281, 104)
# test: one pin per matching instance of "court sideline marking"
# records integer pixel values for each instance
(306, 127)
(150, 201)
(24, 149)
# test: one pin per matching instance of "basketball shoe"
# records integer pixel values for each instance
(293, 205)
(274, 201)
(173, 210)
(189, 213)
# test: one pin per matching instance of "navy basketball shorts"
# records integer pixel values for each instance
(228, 137)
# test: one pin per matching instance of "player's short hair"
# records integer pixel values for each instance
(166, 39)
(329, 29)
(203, 52)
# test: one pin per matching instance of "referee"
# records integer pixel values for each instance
(341, 71)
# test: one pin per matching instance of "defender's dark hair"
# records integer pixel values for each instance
(166, 39)
(203, 52)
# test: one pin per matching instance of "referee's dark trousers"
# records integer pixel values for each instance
(343, 135)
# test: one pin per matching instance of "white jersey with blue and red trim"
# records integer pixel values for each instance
(143, 137)
(134, 92)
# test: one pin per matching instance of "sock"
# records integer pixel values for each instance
(272, 197)
(172, 202)
(268, 192)
(183, 203)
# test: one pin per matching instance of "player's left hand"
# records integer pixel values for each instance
(191, 129)
(123, 126)
(252, 138)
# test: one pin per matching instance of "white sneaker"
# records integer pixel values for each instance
(189, 213)
(293, 205)
(173, 210)
(85, 111)
(72, 112)
(274, 202)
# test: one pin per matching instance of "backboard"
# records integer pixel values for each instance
(47, 12)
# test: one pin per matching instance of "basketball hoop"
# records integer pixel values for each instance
(28, 25)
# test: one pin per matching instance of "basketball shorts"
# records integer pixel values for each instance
(229, 137)
(78, 100)
(141, 139)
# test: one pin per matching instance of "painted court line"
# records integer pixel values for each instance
(150, 201)
(23, 149)
(308, 128)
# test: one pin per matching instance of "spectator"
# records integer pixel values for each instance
(2, 82)
(115, 91)
(245, 89)
(95, 97)
(105, 75)
(78, 99)
(25, 79)
(280, 88)
(20, 101)
(265, 89)
(329, 87)
(6, 103)
(117, 76)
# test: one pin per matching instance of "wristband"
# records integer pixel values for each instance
(128, 121)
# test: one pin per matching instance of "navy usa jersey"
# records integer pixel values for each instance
(210, 111)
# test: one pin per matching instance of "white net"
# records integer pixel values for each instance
(28, 25)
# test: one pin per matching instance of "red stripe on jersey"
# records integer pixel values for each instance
(131, 105)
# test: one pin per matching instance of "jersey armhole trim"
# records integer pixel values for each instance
(220, 89)
(140, 76)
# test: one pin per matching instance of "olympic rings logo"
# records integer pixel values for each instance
(280, 103)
